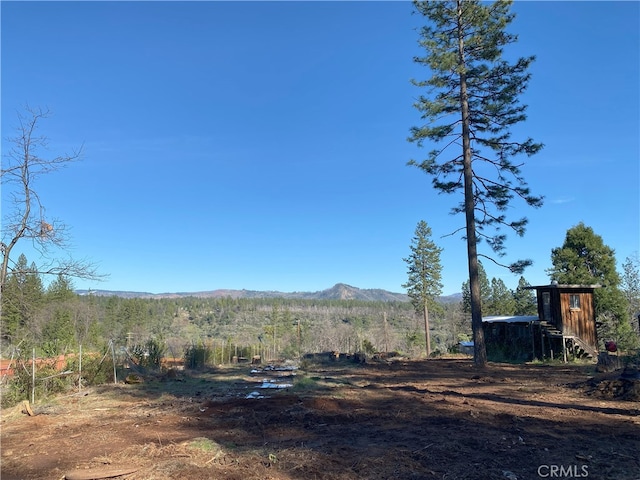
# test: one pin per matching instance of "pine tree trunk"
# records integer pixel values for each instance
(479, 350)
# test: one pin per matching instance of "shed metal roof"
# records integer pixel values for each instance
(562, 285)
(510, 319)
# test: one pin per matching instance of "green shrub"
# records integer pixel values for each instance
(48, 382)
(197, 356)
(17, 388)
(367, 347)
(305, 384)
(95, 370)
(149, 354)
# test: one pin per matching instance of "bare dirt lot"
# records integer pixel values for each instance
(430, 419)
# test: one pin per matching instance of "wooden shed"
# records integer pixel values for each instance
(512, 338)
(567, 313)
(565, 325)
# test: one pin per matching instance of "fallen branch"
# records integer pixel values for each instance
(99, 473)
(423, 448)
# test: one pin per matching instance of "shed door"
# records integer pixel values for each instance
(546, 305)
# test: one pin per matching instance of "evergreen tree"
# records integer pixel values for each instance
(500, 299)
(58, 333)
(58, 330)
(133, 321)
(60, 289)
(496, 298)
(584, 259)
(631, 288)
(524, 299)
(21, 298)
(425, 274)
(485, 290)
(473, 103)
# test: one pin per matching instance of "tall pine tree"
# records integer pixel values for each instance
(472, 102)
(425, 274)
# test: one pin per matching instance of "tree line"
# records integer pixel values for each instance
(55, 320)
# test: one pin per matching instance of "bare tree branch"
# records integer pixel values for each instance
(27, 220)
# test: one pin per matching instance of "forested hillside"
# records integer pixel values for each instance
(276, 326)
(57, 320)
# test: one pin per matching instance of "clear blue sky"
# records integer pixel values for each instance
(263, 145)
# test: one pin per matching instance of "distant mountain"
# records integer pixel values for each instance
(339, 291)
(453, 298)
(118, 293)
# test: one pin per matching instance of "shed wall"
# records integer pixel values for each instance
(579, 322)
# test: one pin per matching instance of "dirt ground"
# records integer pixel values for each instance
(429, 419)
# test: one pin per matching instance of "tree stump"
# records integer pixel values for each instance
(608, 363)
(26, 408)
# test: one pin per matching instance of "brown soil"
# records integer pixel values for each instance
(435, 419)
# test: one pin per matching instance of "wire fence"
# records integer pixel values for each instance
(26, 376)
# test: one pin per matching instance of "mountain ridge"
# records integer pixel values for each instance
(340, 291)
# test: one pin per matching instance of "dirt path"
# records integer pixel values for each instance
(436, 419)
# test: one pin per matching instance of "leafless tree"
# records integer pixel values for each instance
(25, 219)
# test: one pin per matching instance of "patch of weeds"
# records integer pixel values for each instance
(581, 361)
(205, 444)
(558, 362)
(305, 384)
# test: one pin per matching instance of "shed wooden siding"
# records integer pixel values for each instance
(579, 322)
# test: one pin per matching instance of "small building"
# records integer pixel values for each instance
(569, 311)
(565, 326)
(512, 338)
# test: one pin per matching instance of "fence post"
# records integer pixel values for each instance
(33, 377)
(113, 356)
(80, 369)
